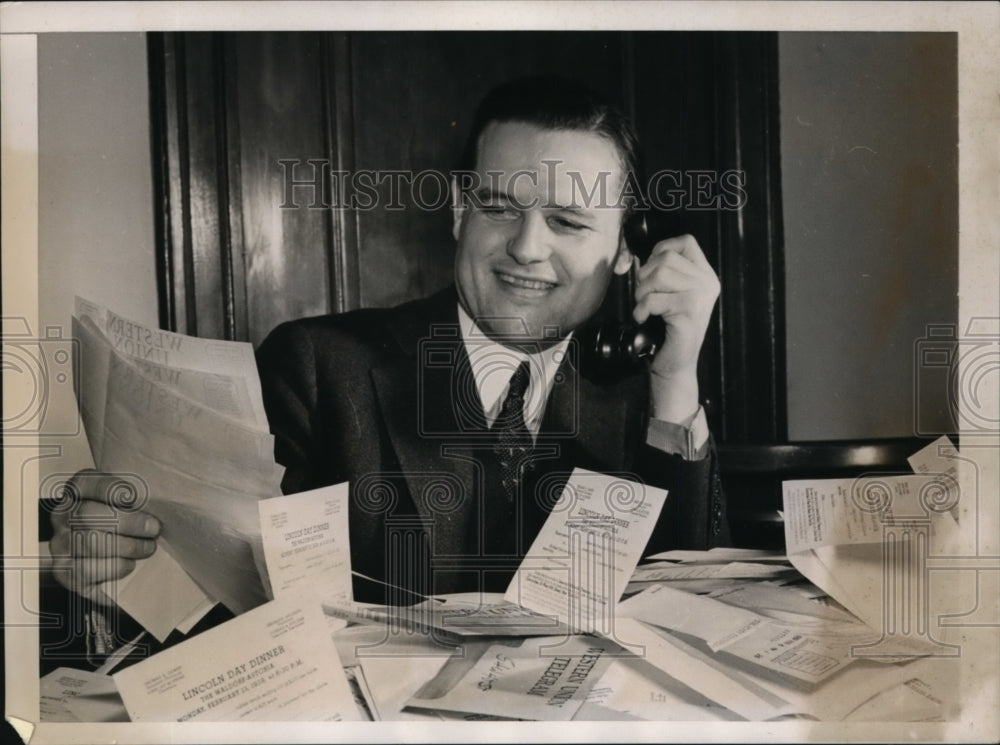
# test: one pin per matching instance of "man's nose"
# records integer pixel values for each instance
(529, 243)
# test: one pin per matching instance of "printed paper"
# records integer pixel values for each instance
(582, 559)
(276, 662)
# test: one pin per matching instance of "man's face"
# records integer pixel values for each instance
(531, 249)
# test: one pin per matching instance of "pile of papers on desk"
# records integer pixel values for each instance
(583, 634)
(723, 635)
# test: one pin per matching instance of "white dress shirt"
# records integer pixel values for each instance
(493, 364)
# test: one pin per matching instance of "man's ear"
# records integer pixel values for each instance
(458, 208)
(623, 261)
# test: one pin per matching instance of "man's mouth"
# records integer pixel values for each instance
(524, 283)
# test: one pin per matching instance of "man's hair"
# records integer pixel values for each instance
(555, 103)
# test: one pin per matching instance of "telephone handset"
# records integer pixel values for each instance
(629, 344)
(615, 348)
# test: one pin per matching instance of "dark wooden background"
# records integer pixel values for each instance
(233, 263)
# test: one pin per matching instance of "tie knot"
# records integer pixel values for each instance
(511, 416)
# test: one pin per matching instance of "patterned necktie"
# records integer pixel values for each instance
(513, 439)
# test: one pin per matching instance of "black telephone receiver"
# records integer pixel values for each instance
(615, 348)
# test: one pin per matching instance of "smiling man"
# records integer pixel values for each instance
(458, 418)
(531, 246)
(464, 413)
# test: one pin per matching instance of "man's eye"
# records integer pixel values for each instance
(566, 225)
(498, 211)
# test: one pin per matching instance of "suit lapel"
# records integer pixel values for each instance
(426, 408)
(586, 419)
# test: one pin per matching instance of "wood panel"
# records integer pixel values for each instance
(707, 107)
(338, 98)
(754, 369)
(200, 245)
(677, 123)
(169, 143)
(281, 80)
(167, 200)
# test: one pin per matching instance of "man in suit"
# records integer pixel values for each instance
(404, 402)
(458, 418)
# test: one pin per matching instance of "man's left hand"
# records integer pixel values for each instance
(678, 284)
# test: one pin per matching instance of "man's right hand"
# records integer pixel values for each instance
(106, 538)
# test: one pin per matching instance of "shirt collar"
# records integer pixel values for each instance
(493, 364)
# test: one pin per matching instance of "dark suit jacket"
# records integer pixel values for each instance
(382, 398)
